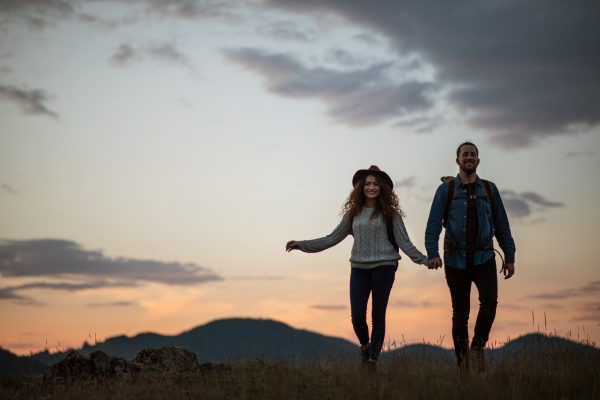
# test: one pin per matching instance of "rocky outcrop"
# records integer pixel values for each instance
(170, 358)
(76, 367)
(73, 367)
(114, 367)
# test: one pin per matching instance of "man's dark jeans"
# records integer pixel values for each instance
(378, 280)
(459, 281)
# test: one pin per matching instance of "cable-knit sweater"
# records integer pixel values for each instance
(372, 247)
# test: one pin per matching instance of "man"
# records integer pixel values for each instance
(472, 216)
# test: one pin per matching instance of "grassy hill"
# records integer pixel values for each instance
(13, 365)
(235, 339)
(225, 340)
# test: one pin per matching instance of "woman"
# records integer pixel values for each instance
(373, 216)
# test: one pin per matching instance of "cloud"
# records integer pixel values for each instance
(8, 189)
(329, 307)
(53, 258)
(581, 318)
(106, 24)
(537, 78)
(590, 311)
(539, 200)
(124, 56)
(8, 293)
(524, 204)
(168, 53)
(587, 153)
(356, 98)
(257, 278)
(407, 183)
(36, 14)
(285, 30)
(195, 9)
(592, 287)
(511, 307)
(366, 38)
(113, 304)
(589, 289)
(29, 101)
(411, 304)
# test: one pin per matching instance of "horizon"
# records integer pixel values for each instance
(397, 344)
(156, 156)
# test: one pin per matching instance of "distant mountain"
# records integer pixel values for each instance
(13, 365)
(224, 340)
(532, 341)
(238, 338)
(542, 342)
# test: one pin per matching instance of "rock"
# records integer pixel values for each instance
(73, 367)
(170, 358)
(114, 367)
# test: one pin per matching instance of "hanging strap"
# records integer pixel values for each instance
(390, 233)
(450, 247)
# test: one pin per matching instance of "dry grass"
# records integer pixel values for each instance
(539, 370)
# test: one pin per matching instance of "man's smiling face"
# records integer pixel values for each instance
(468, 159)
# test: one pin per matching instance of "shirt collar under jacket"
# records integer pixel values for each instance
(459, 182)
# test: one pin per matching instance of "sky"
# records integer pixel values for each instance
(156, 156)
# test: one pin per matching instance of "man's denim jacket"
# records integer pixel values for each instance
(489, 225)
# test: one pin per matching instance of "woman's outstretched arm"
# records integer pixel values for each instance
(405, 244)
(314, 246)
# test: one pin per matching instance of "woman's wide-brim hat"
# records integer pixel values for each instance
(373, 169)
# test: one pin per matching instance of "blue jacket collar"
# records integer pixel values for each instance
(459, 182)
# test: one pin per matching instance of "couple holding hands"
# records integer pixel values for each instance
(472, 212)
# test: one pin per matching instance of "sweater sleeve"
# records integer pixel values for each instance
(339, 233)
(405, 244)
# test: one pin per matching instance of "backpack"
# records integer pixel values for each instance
(451, 196)
(489, 195)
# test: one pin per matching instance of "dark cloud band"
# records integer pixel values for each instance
(53, 258)
(536, 77)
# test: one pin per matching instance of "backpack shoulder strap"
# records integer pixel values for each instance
(450, 198)
(489, 192)
(390, 233)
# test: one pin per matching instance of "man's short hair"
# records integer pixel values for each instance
(465, 144)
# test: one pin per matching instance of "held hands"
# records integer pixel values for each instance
(292, 245)
(435, 263)
(508, 269)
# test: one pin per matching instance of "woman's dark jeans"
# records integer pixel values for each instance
(378, 280)
(459, 281)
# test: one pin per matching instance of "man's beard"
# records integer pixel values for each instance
(466, 170)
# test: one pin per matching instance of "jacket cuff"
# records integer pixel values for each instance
(509, 258)
(434, 253)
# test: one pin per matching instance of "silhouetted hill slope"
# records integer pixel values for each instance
(541, 342)
(13, 365)
(223, 340)
(231, 339)
(532, 341)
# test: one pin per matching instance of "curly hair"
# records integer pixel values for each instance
(386, 203)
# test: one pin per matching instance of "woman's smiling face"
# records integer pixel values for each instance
(372, 188)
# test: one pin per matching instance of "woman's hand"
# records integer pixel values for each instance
(292, 245)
